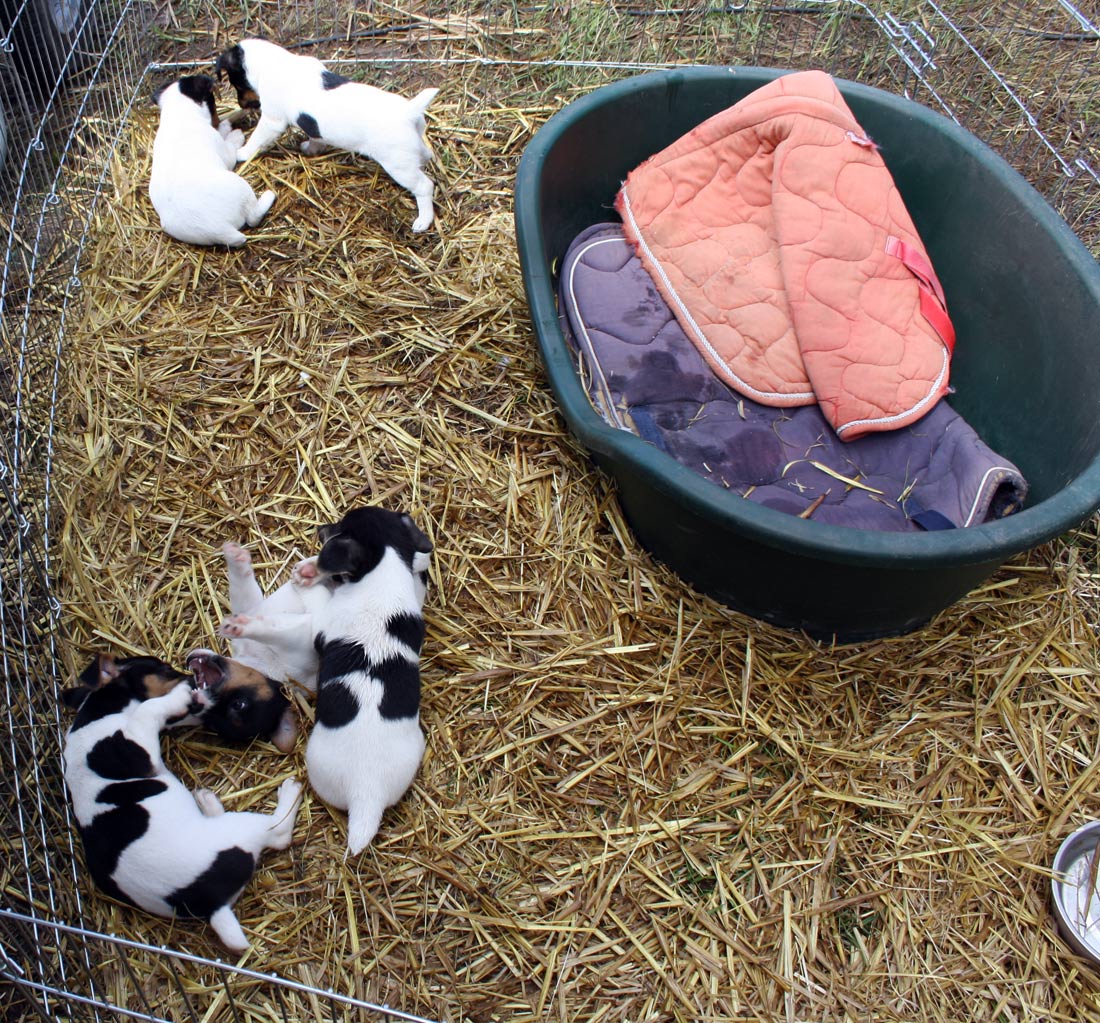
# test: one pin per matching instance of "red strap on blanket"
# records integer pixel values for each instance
(933, 304)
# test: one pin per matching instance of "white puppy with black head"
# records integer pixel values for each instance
(289, 88)
(366, 744)
(197, 195)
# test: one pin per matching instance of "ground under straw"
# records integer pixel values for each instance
(636, 804)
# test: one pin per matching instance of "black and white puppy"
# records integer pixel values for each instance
(366, 744)
(197, 195)
(148, 841)
(271, 640)
(293, 89)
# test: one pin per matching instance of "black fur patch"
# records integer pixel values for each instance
(128, 793)
(106, 837)
(308, 124)
(400, 680)
(407, 629)
(101, 703)
(341, 657)
(200, 89)
(216, 886)
(331, 80)
(119, 758)
(336, 705)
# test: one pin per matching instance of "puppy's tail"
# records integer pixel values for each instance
(419, 103)
(363, 822)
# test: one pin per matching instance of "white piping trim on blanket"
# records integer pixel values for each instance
(931, 396)
(1006, 473)
(741, 385)
(590, 351)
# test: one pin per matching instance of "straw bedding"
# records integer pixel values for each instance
(635, 804)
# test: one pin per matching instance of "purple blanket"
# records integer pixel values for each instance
(644, 375)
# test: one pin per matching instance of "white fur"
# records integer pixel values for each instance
(369, 763)
(360, 118)
(197, 195)
(158, 863)
(273, 634)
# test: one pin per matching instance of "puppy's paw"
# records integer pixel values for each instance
(199, 702)
(235, 138)
(224, 128)
(422, 223)
(236, 626)
(306, 573)
(290, 791)
(209, 804)
(236, 554)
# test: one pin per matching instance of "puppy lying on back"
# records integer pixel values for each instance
(272, 643)
(197, 195)
(292, 89)
(366, 743)
(147, 840)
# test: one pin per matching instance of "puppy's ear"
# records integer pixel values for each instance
(102, 669)
(75, 696)
(228, 61)
(341, 555)
(421, 543)
(286, 731)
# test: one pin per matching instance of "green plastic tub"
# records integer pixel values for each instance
(1024, 295)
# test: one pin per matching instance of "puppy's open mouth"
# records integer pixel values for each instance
(207, 667)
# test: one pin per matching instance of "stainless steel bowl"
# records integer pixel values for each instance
(1075, 890)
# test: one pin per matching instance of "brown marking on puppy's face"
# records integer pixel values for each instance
(244, 703)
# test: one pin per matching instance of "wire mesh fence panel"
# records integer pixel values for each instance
(75, 79)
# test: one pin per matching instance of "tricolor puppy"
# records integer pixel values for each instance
(271, 640)
(366, 743)
(292, 89)
(148, 841)
(197, 195)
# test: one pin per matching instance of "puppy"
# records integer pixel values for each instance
(147, 840)
(272, 643)
(366, 744)
(332, 111)
(197, 195)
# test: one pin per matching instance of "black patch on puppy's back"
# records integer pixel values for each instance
(337, 705)
(119, 758)
(400, 680)
(331, 80)
(106, 837)
(408, 629)
(129, 793)
(339, 657)
(308, 124)
(216, 886)
(101, 703)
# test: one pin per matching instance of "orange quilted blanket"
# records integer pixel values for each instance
(777, 235)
